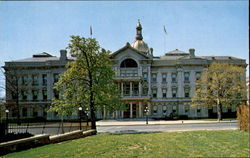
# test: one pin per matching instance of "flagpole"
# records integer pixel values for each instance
(165, 34)
(90, 31)
(164, 43)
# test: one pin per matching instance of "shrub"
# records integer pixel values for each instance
(243, 117)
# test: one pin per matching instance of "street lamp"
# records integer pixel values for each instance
(7, 119)
(146, 111)
(80, 115)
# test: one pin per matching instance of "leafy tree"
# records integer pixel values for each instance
(221, 85)
(88, 80)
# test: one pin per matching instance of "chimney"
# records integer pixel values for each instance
(63, 54)
(191, 52)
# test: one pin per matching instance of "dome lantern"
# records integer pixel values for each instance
(139, 44)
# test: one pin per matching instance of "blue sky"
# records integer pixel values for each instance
(211, 27)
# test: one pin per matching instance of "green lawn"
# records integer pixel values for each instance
(229, 143)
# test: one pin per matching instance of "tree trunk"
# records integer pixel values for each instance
(219, 110)
(92, 115)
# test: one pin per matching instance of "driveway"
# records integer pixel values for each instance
(162, 126)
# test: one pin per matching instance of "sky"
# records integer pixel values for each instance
(217, 28)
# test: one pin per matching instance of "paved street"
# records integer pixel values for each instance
(137, 128)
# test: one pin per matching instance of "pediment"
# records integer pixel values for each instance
(128, 51)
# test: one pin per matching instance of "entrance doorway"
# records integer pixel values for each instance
(134, 110)
(126, 113)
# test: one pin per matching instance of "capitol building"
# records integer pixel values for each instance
(163, 84)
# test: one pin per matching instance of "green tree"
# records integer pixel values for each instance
(221, 85)
(88, 81)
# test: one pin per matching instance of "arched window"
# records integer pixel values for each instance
(128, 63)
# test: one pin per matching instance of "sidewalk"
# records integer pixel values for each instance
(155, 122)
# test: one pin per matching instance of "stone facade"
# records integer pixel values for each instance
(163, 84)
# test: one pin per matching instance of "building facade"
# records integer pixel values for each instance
(163, 84)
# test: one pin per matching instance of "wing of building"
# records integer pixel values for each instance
(164, 84)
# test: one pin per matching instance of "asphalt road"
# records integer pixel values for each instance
(167, 128)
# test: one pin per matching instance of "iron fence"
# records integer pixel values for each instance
(52, 128)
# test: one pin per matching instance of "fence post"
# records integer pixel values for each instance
(44, 127)
(27, 127)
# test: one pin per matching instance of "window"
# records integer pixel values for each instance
(35, 80)
(174, 92)
(174, 77)
(13, 95)
(164, 93)
(44, 94)
(174, 109)
(44, 76)
(24, 80)
(164, 77)
(56, 94)
(24, 95)
(224, 109)
(34, 94)
(155, 109)
(186, 76)
(35, 113)
(24, 110)
(186, 91)
(145, 77)
(154, 92)
(56, 78)
(135, 89)
(186, 108)
(154, 77)
(126, 89)
(164, 109)
(145, 91)
(197, 75)
(198, 109)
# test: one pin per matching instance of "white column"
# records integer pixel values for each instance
(180, 80)
(122, 89)
(140, 110)
(149, 81)
(117, 114)
(131, 110)
(122, 114)
(49, 85)
(140, 88)
(131, 89)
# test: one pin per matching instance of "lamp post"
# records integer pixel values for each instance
(80, 115)
(146, 111)
(7, 120)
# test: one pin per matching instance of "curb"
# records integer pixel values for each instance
(167, 124)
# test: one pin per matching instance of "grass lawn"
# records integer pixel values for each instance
(225, 143)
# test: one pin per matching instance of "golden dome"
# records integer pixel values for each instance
(140, 45)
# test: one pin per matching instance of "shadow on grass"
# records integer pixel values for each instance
(132, 132)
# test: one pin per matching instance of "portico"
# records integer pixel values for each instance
(135, 109)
